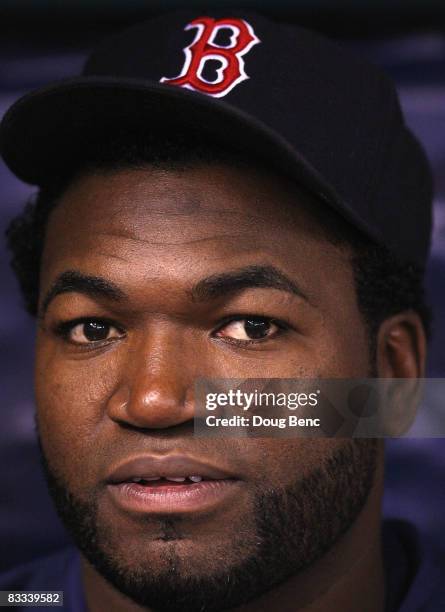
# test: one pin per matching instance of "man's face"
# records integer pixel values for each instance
(181, 264)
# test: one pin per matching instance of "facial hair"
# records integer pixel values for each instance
(293, 527)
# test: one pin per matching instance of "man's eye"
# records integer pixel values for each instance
(249, 328)
(88, 332)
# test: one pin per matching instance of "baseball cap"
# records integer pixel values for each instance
(304, 104)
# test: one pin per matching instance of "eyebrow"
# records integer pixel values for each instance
(262, 276)
(73, 281)
(210, 288)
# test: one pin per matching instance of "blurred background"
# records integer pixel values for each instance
(42, 41)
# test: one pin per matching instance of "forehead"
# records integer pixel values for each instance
(162, 222)
(205, 198)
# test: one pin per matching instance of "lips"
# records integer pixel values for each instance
(151, 467)
(170, 484)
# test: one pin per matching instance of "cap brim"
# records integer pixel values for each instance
(43, 130)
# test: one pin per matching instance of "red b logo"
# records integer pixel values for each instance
(203, 48)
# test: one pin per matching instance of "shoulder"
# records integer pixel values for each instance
(45, 571)
(57, 572)
(421, 579)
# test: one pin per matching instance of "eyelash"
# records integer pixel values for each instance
(282, 326)
(64, 328)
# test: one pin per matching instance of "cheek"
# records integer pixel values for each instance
(282, 462)
(343, 349)
(71, 396)
(345, 355)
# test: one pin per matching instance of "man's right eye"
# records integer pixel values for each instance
(89, 332)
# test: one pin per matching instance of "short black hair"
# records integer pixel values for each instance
(384, 284)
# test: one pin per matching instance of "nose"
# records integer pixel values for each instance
(156, 387)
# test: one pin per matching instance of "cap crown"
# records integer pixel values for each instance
(329, 119)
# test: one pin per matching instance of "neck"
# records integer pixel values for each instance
(349, 577)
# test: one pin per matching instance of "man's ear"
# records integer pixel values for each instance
(401, 346)
(401, 354)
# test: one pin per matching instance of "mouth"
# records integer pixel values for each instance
(170, 484)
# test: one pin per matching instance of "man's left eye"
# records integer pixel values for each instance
(92, 331)
(249, 328)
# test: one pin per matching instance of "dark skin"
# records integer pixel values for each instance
(155, 235)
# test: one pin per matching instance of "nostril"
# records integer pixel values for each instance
(118, 402)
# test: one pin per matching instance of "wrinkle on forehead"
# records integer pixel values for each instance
(131, 222)
(130, 237)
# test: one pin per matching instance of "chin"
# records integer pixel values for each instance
(165, 546)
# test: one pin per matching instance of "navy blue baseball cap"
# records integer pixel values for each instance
(304, 104)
